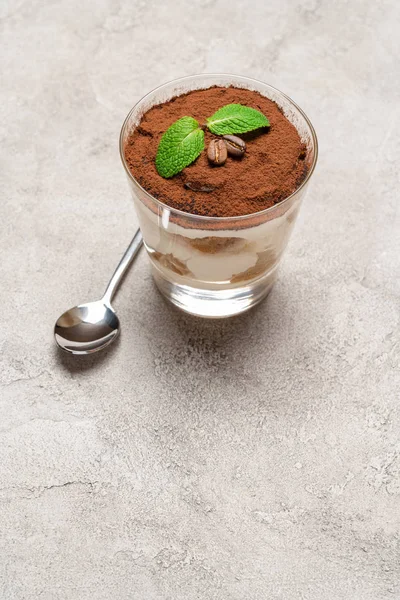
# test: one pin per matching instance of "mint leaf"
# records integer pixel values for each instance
(236, 118)
(179, 146)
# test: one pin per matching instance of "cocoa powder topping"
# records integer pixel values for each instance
(271, 169)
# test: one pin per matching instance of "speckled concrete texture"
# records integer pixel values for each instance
(256, 458)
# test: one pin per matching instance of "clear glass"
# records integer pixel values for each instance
(216, 266)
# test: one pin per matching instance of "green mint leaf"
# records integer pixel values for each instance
(179, 146)
(236, 118)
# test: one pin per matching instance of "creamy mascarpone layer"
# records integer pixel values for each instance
(214, 255)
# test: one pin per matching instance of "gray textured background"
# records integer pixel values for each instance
(256, 458)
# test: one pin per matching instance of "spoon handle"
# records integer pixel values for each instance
(124, 263)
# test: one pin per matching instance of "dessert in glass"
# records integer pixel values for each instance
(216, 233)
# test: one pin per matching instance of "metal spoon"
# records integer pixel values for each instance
(90, 327)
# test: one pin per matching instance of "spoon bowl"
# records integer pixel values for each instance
(86, 328)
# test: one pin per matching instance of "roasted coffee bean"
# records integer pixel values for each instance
(235, 145)
(217, 153)
(196, 186)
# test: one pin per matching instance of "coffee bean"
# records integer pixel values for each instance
(235, 145)
(217, 153)
(196, 186)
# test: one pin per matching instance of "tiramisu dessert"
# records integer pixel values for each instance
(218, 158)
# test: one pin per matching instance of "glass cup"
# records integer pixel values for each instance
(216, 266)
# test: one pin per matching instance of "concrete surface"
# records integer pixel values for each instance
(257, 458)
